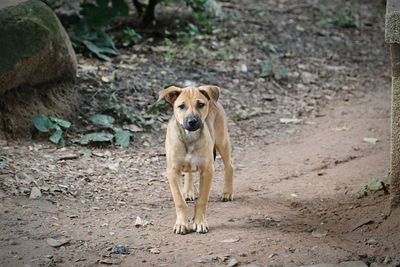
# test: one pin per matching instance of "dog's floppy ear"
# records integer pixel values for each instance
(210, 91)
(170, 94)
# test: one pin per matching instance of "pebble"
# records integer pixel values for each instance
(231, 240)
(35, 193)
(155, 251)
(232, 263)
(372, 242)
(57, 242)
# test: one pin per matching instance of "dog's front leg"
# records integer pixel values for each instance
(199, 221)
(182, 222)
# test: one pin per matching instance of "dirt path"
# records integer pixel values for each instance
(294, 201)
(295, 184)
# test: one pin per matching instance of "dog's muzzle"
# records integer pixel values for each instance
(192, 123)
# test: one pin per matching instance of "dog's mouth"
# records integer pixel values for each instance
(192, 123)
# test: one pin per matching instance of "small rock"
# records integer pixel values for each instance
(68, 156)
(374, 264)
(233, 262)
(243, 68)
(251, 265)
(370, 140)
(120, 250)
(35, 193)
(372, 242)
(111, 261)
(155, 251)
(206, 259)
(231, 240)
(57, 242)
(289, 120)
(319, 233)
(188, 83)
(272, 255)
(308, 77)
(140, 222)
(387, 260)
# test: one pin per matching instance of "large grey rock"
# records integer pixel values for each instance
(34, 47)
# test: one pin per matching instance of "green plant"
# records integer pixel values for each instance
(374, 185)
(90, 31)
(349, 19)
(169, 55)
(130, 37)
(51, 125)
(269, 71)
(121, 137)
(268, 46)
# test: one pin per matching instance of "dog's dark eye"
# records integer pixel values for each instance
(200, 105)
(181, 106)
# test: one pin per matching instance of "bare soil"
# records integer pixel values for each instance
(296, 184)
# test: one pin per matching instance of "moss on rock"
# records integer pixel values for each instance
(34, 47)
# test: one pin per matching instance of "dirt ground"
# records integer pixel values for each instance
(295, 184)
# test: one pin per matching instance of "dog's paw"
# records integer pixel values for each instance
(226, 197)
(181, 229)
(189, 196)
(200, 227)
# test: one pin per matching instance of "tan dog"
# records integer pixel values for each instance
(196, 130)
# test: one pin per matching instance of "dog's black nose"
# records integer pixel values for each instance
(192, 123)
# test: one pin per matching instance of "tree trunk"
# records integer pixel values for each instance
(139, 7)
(149, 14)
(395, 135)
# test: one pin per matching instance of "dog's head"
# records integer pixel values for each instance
(191, 104)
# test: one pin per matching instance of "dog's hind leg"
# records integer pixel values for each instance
(188, 187)
(225, 151)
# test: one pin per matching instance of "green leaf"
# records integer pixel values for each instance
(42, 123)
(267, 69)
(98, 51)
(96, 137)
(349, 19)
(268, 46)
(60, 122)
(3, 163)
(282, 73)
(99, 43)
(122, 138)
(56, 136)
(102, 120)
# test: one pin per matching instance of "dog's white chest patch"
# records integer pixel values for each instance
(191, 160)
